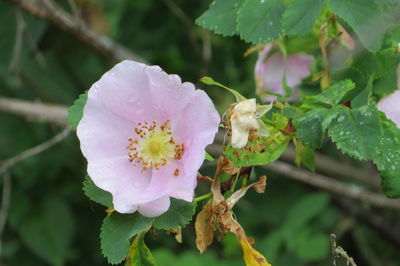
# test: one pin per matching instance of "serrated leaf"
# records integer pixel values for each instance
(259, 152)
(116, 232)
(180, 213)
(97, 194)
(364, 97)
(75, 112)
(357, 132)
(329, 97)
(310, 128)
(259, 21)
(221, 17)
(365, 18)
(299, 17)
(140, 254)
(387, 159)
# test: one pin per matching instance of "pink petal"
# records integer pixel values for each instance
(297, 68)
(390, 105)
(125, 90)
(154, 208)
(125, 182)
(271, 71)
(115, 130)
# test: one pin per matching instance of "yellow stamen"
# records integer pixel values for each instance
(154, 147)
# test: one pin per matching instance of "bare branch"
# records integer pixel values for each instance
(7, 164)
(5, 204)
(371, 217)
(338, 251)
(19, 36)
(49, 11)
(333, 185)
(56, 114)
(332, 167)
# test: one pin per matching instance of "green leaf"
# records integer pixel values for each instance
(209, 157)
(259, 21)
(180, 213)
(303, 211)
(97, 194)
(75, 112)
(140, 254)
(49, 232)
(117, 230)
(299, 17)
(309, 127)
(336, 92)
(210, 81)
(329, 97)
(387, 159)
(304, 155)
(356, 132)
(261, 151)
(310, 247)
(365, 18)
(221, 17)
(364, 97)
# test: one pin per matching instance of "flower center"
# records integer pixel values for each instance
(154, 146)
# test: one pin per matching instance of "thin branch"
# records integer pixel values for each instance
(7, 164)
(55, 114)
(19, 36)
(338, 251)
(371, 218)
(327, 165)
(5, 204)
(180, 14)
(333, 185)
(50, 12)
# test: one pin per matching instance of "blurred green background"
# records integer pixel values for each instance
(49, 220)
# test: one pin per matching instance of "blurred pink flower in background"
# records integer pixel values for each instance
(272, 69)
(390, 104)
(144, 133)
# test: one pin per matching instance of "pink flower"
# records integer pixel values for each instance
(273, 68)
(144, 133)
(390, 105)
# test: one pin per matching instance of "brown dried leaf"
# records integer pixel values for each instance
(258, 186)
(226, 166)
(204, 231)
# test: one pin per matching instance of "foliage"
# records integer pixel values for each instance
(51, 222)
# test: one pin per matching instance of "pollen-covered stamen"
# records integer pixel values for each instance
(154, 146)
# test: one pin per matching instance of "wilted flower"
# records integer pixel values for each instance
(143, 133)
(245, 117)
(390, 105)
(273, 69)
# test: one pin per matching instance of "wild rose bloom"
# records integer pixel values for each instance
(390, 105)
(271, 70)
(143, 133)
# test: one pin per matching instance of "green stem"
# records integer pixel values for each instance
(203, 197)
(244, 182)
(232, 189)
